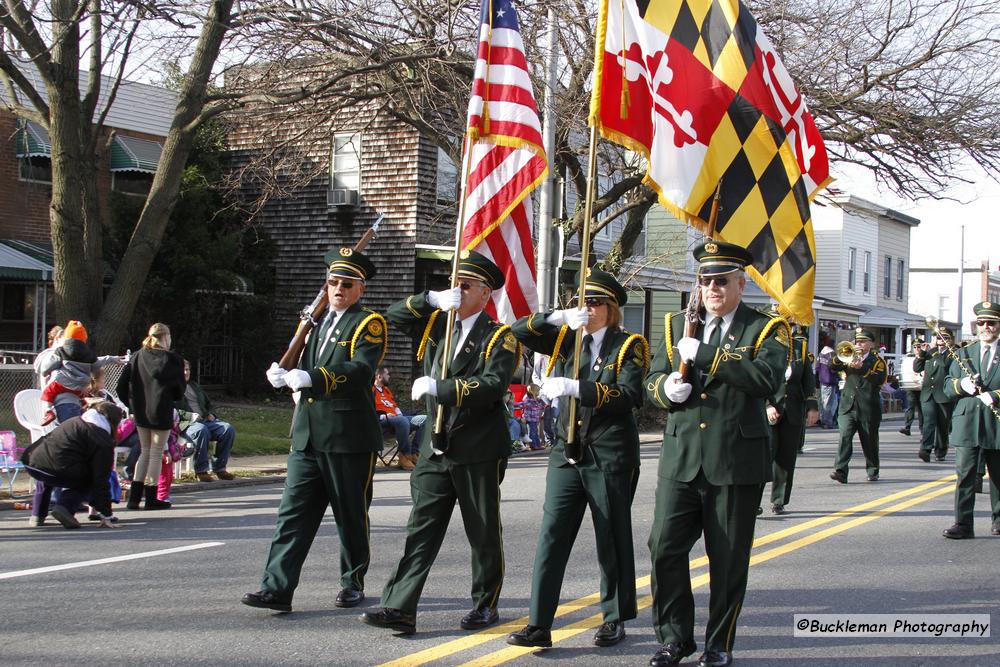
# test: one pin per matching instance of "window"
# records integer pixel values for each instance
(447, 180)
(887, 279)
(632, 318)
(899, 280)
(131, 182)
(35, 168)
(852, 256)
(868, 273)
(14, 304)
(346, 163)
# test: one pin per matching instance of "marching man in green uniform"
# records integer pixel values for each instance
(789, 411)
(715, 457)
(935, 406)
(468, 464)
(975, 427)
(860, 406)
(335, 435)
(612, 366)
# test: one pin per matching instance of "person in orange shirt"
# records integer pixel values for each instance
(404, 426)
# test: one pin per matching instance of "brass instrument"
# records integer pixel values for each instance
(848, 352)
(932, 322)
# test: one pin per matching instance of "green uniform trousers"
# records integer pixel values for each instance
(434, 489)
(727, 515)
(316, 480)
(792, 436)
(569, 490)
(849, 424)
(966, 460)
(934, 430)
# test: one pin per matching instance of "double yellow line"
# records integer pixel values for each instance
(862, 514)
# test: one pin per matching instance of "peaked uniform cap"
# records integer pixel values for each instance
(987, 310)
(602, 285)
(473, 265)
(718, 257)
(348, 263)
(863, 334)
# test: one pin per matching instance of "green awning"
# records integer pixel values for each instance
(32, 140)
(23, 260)
(132, 154)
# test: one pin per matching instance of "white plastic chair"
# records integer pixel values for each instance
(29, 411)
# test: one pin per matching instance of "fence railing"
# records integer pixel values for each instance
(14, 378)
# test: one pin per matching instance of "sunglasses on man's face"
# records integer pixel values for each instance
(705, 281)
(988, 323)
(594, 301)
(465, 287)
(346, 284)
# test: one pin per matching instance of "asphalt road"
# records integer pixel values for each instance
(863, 548)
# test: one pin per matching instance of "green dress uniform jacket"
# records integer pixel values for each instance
(796, 395)
(975, 431)
(472, 467)
(605, 478)
(935, 406)
(335, 435)
(860, 411)
(714, 462)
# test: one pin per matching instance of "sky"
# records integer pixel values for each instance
(934, 243)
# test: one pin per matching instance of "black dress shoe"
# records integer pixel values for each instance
(959, 532)
(268, 600)
(394, 619)
(478, 619)
(777, 509)
(609, 634)
(924, 456)
(760, 510)
(995, 529)
(904, 431)
(672, 654)
(978, 486)
(531, 635)
(349, 597)
(939, 457)
(872, 478)
(715, 659)
(838, 476)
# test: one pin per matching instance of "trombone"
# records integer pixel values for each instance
(932, 322)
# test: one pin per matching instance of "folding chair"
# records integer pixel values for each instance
(29, 411)
(390, 448)
(10, 460)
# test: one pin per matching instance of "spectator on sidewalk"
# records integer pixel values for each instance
(78, 457)
(828, 381)
(41, 360)
(407, 427)
(532, 409)
(200, 424)
(68, 370)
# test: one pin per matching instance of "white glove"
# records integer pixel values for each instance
(577, 317)
(688, 347)
(297, 379)
(423, 385)
(788, 372)
(556, 318)
(446, 300)
(968, 386)
(676, 389)
(276, 375)
(558, 386)
(986, 397)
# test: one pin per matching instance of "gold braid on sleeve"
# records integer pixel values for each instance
(363, 327)
(555, 350)
(427, 334)
(787, 330)
(636, 339)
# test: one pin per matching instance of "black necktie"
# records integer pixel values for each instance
(986, 359)
(716, 336)
(585, 357)
(456, 334)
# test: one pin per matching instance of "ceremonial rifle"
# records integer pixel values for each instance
(692, 315)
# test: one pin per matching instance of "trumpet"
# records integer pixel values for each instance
(847, 352)
(932, 322)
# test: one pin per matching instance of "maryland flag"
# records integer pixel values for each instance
(696, 87)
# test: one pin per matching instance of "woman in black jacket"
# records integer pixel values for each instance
(78, 456)
(149, 385)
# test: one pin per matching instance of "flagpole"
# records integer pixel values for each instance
(574, 445)
(439, 441)
(544, 265)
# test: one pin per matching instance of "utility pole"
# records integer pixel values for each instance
(961, 278)
(544, 263)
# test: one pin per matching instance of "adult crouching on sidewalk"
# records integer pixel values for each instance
(150, 384)
(78, 456)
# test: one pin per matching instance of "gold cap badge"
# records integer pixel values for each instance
(987, 304)
(346, 252)
(464, 254)
(711, 247)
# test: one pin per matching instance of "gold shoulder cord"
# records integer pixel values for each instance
(427, 333)
(787, 330)
(497, 335)
(638, 340)
(555, 351)
(668, 338)
(363, 327)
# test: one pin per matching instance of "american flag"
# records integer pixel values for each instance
(506, 160)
